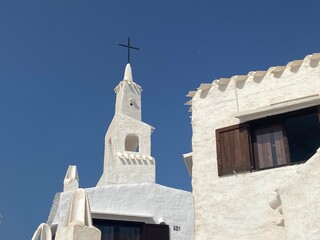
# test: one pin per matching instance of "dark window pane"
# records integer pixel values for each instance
(119, 230)
(303, 135)
(107, 231)
(129, 233)
(156, 232)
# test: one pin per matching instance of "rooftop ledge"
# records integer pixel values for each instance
(122, 216)
(280, 107)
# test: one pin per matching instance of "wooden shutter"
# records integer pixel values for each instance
(156, 232)
(233, 149)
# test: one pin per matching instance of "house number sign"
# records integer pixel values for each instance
(176, 228)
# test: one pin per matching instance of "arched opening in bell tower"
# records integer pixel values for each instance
(132, 143)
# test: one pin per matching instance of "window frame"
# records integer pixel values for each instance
(251, 127)
(144, 228)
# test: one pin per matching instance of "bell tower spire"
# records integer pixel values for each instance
(127, 157)
(128, 73)
(128, 100)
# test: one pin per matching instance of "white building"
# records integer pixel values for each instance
(126, 204)
(254, 162)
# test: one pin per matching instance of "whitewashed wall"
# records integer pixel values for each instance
(127, 190)
(236, 207)
(145, 202)
(300, 198)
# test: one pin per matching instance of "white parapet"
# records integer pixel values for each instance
(43, 232)
(77, 224)
(71, 180)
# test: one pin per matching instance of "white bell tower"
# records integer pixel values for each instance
(127, 157)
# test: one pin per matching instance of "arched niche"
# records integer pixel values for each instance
(132, 143)
(110, 150)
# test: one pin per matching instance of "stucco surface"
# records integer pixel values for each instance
(76, 232)
(147, 202)
(122, 166)
(236, 206)
(43, 232)
(134, 168)
(300, 200)
(126, 190)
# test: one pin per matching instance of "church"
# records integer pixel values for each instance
(255, 160)
(126, 204)
(255, 166)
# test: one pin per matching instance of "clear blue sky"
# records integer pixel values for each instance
(59, 63)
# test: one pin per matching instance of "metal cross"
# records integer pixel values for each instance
(129, 47)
